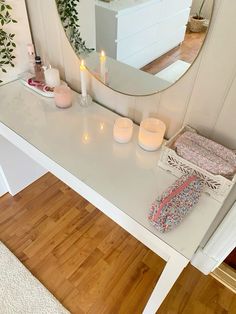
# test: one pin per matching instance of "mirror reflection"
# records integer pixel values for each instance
(139, 47)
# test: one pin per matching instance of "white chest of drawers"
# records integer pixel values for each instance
(137, 32)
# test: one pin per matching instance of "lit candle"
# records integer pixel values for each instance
(123, 130)
(151, 134)
(63, 96)
(52, 77)
(83, 79)
(103, 66)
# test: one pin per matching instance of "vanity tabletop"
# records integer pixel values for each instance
(80, 140)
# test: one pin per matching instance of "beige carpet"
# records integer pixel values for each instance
(21, 292)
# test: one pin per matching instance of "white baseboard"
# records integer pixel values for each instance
(203, 262)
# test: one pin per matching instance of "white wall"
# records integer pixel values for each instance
(48, 34)
(87, 22)
(207, 8)
(22, 38)
(205, 97)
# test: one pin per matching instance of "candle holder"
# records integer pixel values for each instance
(123, 130)
(104, 78)
(151, 134)
(63, 96)
(85, 101)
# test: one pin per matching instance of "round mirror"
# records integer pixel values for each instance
(136, 47)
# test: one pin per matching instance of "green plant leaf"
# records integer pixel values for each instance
(7, 44)
(68, 12)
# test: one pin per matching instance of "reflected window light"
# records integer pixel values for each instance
(101, 127)
(86, 138)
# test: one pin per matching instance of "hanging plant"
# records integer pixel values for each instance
(68, 13)
(7, 44)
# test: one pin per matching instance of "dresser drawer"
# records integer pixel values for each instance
(133, 21)
(156, 50)
(132, 44)
(157, 33)
(174, 22)
(173, 7)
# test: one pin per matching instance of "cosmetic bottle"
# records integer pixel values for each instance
(31, 55)
(38, 68)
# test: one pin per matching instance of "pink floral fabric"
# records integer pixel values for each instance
(168, 210)
(206, 154)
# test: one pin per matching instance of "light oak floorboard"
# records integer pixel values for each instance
(187, 52)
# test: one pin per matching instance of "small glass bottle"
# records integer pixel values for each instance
(31, 55)
(38, 68)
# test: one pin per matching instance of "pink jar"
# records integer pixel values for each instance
(63, 96)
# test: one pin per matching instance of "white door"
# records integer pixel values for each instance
(220, 245)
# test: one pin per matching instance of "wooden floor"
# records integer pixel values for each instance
(89, 263)
(226, 275)
(187, 52)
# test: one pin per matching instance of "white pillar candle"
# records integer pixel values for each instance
(103, 66)
(83, 79)
(123, 130)
(151, 134)
(52, 77)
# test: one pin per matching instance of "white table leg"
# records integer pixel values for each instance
(3, 186)
(17, 168)
(170, 274)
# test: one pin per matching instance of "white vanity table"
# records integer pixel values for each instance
(76, 145)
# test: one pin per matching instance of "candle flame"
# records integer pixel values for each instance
(82, 65)
(103, 56)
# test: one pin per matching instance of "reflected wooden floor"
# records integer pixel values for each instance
(187, 52)
(89, 263)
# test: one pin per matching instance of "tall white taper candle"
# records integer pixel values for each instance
(83, 79)
(103, 66)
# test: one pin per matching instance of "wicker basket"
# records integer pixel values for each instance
(215, 185)
(196, 26)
